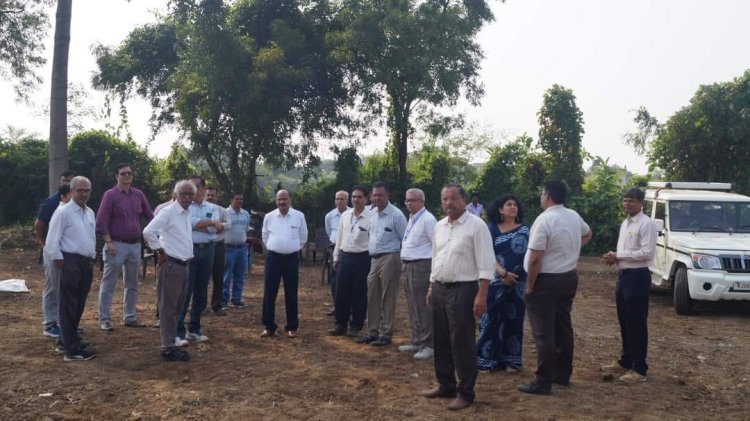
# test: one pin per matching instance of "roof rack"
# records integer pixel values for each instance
(693, 185)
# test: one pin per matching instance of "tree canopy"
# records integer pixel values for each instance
(560, 135)
(707, 140)
(240, 79)
(404, 52)
(23, 26)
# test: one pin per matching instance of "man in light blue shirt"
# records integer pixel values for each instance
(387, 228)
(205, 219)
(235, 263)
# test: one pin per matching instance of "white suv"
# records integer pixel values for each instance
(703, 243)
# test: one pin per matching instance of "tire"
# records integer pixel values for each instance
(682, 302)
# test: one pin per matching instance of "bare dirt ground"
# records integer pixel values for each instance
(700, 365)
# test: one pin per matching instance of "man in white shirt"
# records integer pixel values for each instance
(169, 235)
(284, 234)
(463, 262)
(636, 247)
(332, 219)
(70, 245)
(352, 263)
(416, 260)
(554, 245)
(475, 208)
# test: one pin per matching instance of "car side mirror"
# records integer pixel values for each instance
(659, 225)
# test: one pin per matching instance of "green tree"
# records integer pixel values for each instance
(560, 132)
(707, 140)
(401, 53)
(347, 166)
(94, 154)
(23, 26)
(23, 159)
(498, 175)
(599, 205)
(239, 79)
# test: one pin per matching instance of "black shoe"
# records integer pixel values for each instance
(60, 348)
(337, 331)
(381, 341)
(562, 381)
(352, 332)
(535, 388)
(175, 354)
(220, 312)
(81, 355)
(366, 339)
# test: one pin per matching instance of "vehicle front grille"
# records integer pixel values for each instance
(735, 263)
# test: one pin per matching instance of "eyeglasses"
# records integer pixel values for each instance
(83, 190)
(411, 200)
(126, 174)
(187, 194)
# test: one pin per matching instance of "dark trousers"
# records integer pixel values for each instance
(351, 290)
(334, 274)
(197, 289)
(280, 266)
(455, 336)
(217, 276)
(632, 294)
(75, 282)
(548, 308)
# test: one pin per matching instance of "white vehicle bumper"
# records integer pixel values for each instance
(714, 285)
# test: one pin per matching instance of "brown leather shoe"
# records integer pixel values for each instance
(458, 404)
(438, 392)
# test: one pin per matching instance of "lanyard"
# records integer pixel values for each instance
(413, 221)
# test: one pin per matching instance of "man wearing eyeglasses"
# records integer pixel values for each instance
(71, 246)
(118, 222)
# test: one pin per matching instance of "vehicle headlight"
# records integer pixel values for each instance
(705, 261)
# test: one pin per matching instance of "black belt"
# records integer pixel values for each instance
(557, 275)
(203, 245)
(379, 255)
(219, 242)
(450, 284)
(632, 270)
(282, 254)
(127, 241)
(348, 253)
(178, 261)
(236, 246)
(415, 260)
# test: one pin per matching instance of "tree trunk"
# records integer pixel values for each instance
(251, 193)
(58, 109)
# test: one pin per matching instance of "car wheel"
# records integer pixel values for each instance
(682, 301)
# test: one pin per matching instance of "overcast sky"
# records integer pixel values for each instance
(614, 55)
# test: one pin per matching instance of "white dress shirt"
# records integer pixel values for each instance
(462, 251)
(332, 224)
(71, 230)
(353, 233)
(284, 234)
(557, 232)
(419, 235)
(171, 230)
(636, 245)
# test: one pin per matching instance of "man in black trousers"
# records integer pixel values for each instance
(71, 244)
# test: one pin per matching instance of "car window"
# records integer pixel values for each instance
(704, 216)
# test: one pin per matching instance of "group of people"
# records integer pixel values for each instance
(192, 239)
(453, 271)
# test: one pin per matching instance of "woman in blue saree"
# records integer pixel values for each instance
(501, 327)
